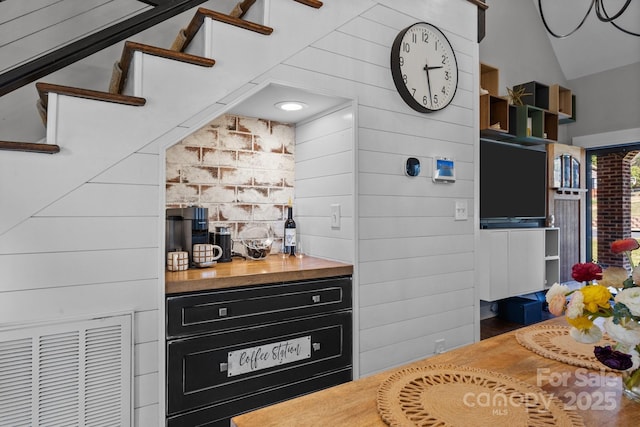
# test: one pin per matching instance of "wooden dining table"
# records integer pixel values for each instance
(595, 395)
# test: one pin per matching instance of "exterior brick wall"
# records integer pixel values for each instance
(614, 205)
(240, 168)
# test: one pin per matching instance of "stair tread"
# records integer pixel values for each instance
(131, 47)
(29, 146)
(45, 88)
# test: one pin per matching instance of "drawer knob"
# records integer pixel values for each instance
(222, 312)
(315, 298)
(224, 366)
(316, 346)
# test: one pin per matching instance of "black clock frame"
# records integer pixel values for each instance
(396, 72)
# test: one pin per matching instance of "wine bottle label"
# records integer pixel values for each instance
(289, 236)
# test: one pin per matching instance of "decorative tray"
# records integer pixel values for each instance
(448, 395)
(554, 342)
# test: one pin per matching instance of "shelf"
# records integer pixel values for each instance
(533, 125)
(560, 101)
(565, 118)
(494, 113)
(489, 79)
(538, 94)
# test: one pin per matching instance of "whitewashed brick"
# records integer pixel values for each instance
(218, 194)
(206, 136)
(236, 141)
(182, 193)
(266, 212)
(217, 157)
(238, 212)
(182, 154)
(267, 143)
(238, 176)
(199, 174)
(253, 195)
(253, 126)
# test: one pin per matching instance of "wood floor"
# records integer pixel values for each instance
(496, 326)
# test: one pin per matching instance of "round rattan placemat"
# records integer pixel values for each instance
(448, 395)
(554, 342)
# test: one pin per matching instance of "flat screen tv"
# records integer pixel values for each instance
(513, 184)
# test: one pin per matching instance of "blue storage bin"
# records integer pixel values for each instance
(520, 310)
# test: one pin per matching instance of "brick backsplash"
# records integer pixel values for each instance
(240, 168)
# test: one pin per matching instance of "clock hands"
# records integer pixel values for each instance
(426, 69)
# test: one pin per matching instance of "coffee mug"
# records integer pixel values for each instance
(177, 261)
(205, 253)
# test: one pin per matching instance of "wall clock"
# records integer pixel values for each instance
(424, 67)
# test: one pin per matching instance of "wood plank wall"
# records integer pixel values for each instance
(415, 264)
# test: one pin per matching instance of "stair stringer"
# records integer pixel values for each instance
(91, 143)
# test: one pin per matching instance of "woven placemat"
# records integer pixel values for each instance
(554, 342)
(448, 395)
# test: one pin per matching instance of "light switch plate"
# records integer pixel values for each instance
(335, 215)
(461, 210)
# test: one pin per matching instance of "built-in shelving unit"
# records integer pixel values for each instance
(551, 257)
(533, 123)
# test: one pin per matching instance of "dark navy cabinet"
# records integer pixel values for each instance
(234, 350)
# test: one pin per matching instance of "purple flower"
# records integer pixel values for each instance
(614, 359)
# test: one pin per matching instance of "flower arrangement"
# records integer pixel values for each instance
(621, 313)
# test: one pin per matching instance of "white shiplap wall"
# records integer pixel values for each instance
(93, 244)
(324, 173)
(93, 252)
(415, 264)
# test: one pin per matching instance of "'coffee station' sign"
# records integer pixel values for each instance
(266, 356)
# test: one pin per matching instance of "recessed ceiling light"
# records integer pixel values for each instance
(291, 105)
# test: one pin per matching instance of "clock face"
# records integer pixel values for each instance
(424, 67)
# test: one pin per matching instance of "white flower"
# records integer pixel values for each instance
(635, 359)
(631, 298)
(556, 289)
(593, 335)
(627, 335)
(576, 305)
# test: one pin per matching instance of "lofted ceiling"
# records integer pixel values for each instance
(597, 46)
(26, 28)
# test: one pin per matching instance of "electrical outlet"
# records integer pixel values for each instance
(440, 346)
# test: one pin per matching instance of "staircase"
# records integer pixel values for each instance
(152, 93)
(121, 68)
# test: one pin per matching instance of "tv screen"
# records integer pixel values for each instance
(513, 182)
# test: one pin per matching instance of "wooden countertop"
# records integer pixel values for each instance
(272, 269)
(354, 403)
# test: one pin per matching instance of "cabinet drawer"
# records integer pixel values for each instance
(220, 414)
(217, 367)
(241, 307)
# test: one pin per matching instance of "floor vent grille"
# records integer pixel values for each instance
(67, 374)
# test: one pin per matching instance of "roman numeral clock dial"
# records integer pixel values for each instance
(424, 67)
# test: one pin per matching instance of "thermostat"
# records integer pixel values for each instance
(443, 170)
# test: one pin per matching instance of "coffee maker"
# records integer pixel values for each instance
(186, 227)
(222, 238)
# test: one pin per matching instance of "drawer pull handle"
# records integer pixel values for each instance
(222, 312)
(316, 346)
(315, 298)
(224, 366)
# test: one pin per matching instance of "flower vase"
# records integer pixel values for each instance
(631, 384)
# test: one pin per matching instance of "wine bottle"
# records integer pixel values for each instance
(290, 232)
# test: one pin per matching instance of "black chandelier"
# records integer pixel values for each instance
(601, 13)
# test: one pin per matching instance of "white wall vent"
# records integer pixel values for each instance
(67, 374)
